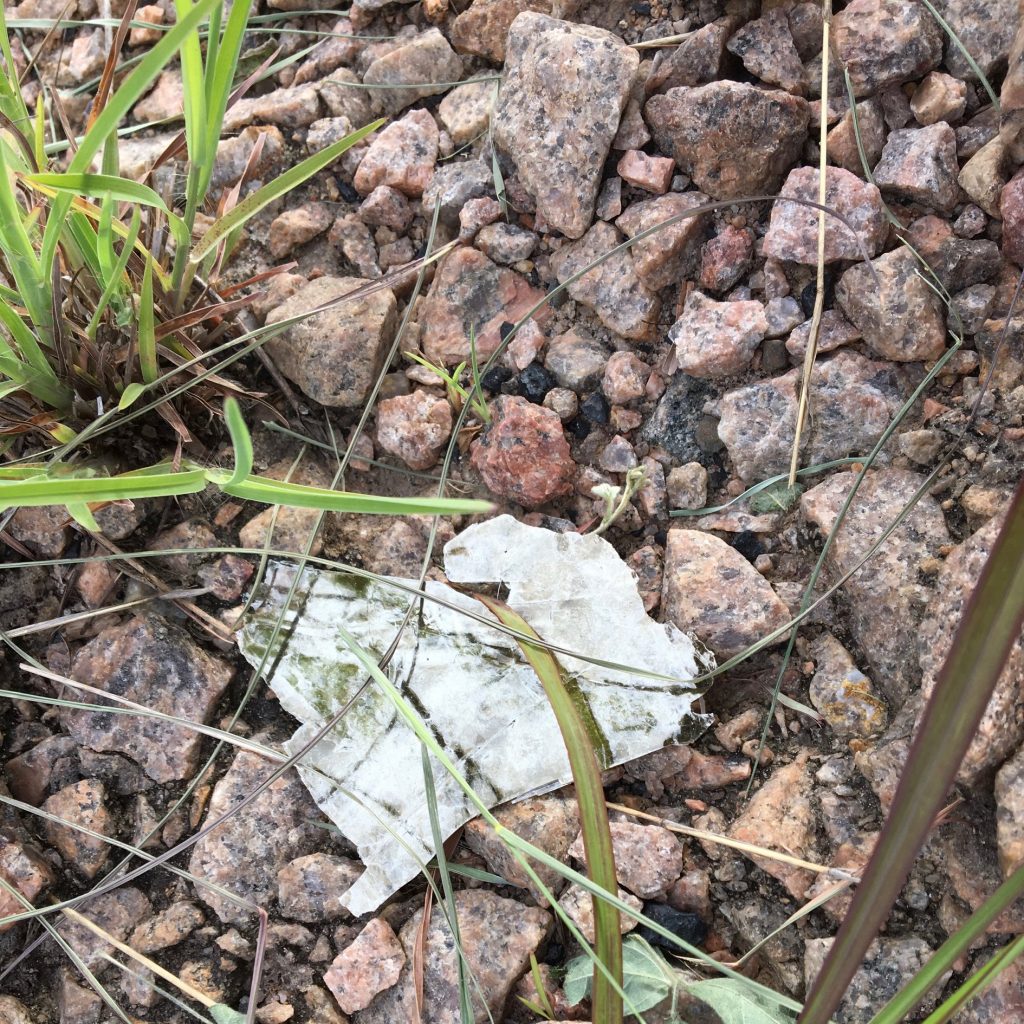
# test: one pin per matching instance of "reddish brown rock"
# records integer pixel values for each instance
(83, 803)
(334, 356)
(841, 143)
(158, 665)
(549, 822)
(625, 378)
(780, 816)
(578, 903)
(557, 128)
(523, 455)
(415, 427)
(716, 339)
(371, 963)
(151, 14)
(1001, 729)
(470, 298)
(613, 289)
(896, 311)
(498, 935)
(402, 156)
(167, 928)
(388, 207)
(482, 28)
(793, 231)
(919, 165)
(296, 227)
(117, 913)
(714, 592)
(24, 868)
(725, 258)
(885, 42)
(651, 173)
(668, 255)
(705, 127)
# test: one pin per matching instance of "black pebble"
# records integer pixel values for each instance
(595, 408)
(554, 953)
(535, 382)
(348, 193)
(578, 427)
(689, 927)
(809, 292)
(505, 329)
(493, 379)
(747, 544)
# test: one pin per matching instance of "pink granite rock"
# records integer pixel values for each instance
(402, 156)
(716, 339)
(371, 963)
(415, 427)
(651, 173)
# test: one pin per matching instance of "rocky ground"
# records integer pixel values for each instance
(680, 355)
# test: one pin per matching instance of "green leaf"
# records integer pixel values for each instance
(223, 1014)
(241, 440)
(147, 327)
(82, 514)
(646, 978)
(736, 1003)
(131, 395)
(252, 204)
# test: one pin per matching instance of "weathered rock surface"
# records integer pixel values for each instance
(82, 803)
(417, 65)
(613, 290)
(668, 255)
(523, 455)
(885, 600)
(167, 928)
(402, 155)
(415, 427)
(25, 869)
(985, 27)
(576, 360)
(156, 664)
(498, 936)
(1002, 727)
(566, 86)
(578, 903)
(648, 858)
(793, 231)
(851, 399)
(550, 823)
(308, 887)
(842, 693)
(482, 28)
(334, 356)
(371, 963)
(1010, 813)
(245, 853)
(716, 339)
(711, 590)
(896, 311)
(470, 299)
(768, 51)
(780, 816)
(117, 913)
(706, 126)
(886, 42)
(919, 165)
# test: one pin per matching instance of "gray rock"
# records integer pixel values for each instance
(768, 51)
(557, 127)
(334, 356)
(308, 887)
(505, 243)
(117, 912)
(498, 936)
(919, 165)
(425, 66)
(576, 360)
(711, 590)
(705, 127)
(1002, 727)
(888, 965)
(245, 853)
(158, 665)
(613, 289)
(852, 400)
(466, 111)
(289, 108)
(455, 184)
(343, 96)
(885, 42)
(885, 601)
(985, 27)
(895, 309)
(697, 60)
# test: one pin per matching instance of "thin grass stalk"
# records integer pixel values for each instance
(990, 626)
(597, 836)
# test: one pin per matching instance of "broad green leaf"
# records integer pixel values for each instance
(131, 395)
(737, 1003)
(252, 204)
(82, 514)
(223, 1014)
(646, 978)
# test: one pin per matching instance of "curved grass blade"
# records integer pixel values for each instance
(991, 624)
(597, 837)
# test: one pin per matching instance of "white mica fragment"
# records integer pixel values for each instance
(469, 684)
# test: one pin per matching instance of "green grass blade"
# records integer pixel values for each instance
(977, 983)
(147, 327)
(61, 490)
(597, 837)
(959, 943)
(278, 492)
(990, 626)
(225, 64)
(255, 202)
(115, 281)
(241, 440)
(19, 251)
